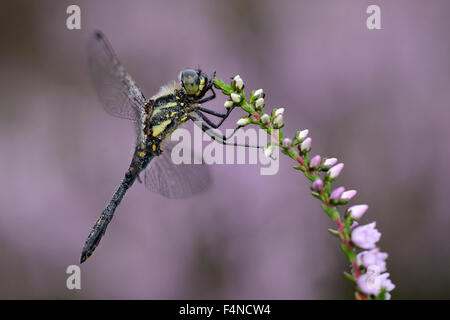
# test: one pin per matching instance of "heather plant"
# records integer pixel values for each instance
(358, 242)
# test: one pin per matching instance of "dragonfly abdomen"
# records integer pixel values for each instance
(99, 228)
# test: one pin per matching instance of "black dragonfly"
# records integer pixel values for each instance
(155, 119)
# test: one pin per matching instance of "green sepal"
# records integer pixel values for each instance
(382, 295)
(349, 277)
(350, 253)
(348, 224)
(252, 97)
(332, 212)
(280, 135)
(334, 232)
(226, 89)
(299, 168)
(291, 154)
(248, 109)
(310, 176)
(316, 195)
(328, 186)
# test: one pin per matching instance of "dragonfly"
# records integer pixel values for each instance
(155, 120)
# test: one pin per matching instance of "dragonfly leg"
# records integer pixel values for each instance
(220, 138)
(211, 97)
(209, 121)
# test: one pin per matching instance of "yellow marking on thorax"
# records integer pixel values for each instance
(183, 119)
(142, 154)
(160, 127)
(155, 112)
(159, 109)
(169, 105)
(201, 86)
(154, 147)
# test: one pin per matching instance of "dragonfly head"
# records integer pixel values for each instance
(194, 82)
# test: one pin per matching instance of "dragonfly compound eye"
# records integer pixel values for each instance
(190, 80)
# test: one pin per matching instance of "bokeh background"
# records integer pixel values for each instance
(377, 100)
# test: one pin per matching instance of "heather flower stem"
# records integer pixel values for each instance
(320, 172)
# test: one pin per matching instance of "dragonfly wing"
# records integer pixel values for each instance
(117, 90)
(176, 181)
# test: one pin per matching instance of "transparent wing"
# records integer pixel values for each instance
(176, 181)
(118, 92)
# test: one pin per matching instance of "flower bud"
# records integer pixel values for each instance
(268, 150)
(259, 103)
(334, 172)
(315, 162)
(279, 112)
(228, 104)
(347, 195)
(329, 162)
(357, 211)
(306, 145)
(243, 122)
(238, 82)
(287, 142)
(258, 93)
(278, 122)
(301, 134)
(336, 194)
(317, 184)
(265, 118)
(236, 97)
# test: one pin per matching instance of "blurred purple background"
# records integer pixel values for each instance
(377, 100)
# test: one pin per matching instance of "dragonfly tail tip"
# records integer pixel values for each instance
(83, 258)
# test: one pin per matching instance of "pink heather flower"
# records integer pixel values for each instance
(329, 162)
(372, 282)
(337, 193)
(357, 211)
(366, 236)
(334, 172)
(372, 258)
(348, 195)
(315, 162)
(317, 184)
(306, 144)
(354, 224)
(386, 282)
(369, 283)
(287, 142)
